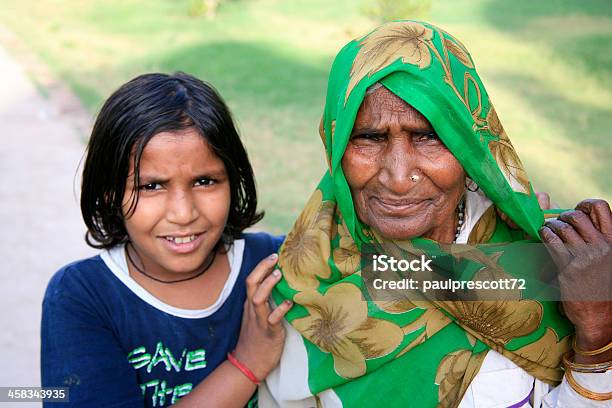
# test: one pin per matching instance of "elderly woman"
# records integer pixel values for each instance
(417, 159)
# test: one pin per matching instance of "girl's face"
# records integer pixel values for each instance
(183, 204)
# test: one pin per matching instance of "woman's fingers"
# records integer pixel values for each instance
(572, 241)
(583, 225)
(600, 214)
(281, 310)
(555, 246)
(263, 269)
(565, 231)
(543, 200)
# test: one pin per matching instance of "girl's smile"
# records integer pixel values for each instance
(183, 244)
(182, 206)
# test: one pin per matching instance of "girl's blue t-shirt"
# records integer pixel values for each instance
(114, 345)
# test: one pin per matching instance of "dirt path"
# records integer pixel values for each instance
(40, 150)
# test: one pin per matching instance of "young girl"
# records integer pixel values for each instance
(166, 313)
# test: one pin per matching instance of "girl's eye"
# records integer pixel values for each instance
(205, 182)
(150, 187)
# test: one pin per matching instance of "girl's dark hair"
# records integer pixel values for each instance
(145, 106)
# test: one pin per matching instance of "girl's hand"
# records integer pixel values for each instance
(259, 346)
(262, 334)
(581, 245)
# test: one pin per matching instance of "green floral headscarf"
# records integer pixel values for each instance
(420, 352)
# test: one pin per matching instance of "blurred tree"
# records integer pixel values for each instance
(204, 7)
(386, 10)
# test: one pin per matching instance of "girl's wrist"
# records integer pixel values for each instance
(252, 361)
(246, 371)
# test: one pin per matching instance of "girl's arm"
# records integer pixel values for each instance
(259, 346)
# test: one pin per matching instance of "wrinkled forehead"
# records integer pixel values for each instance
(379, 103)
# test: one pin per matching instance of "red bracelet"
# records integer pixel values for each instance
(245, 370)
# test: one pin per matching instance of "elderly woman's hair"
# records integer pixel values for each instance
(372, 88)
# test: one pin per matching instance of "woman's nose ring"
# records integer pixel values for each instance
(415, 178)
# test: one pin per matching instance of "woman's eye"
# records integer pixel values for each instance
(150, 186)
(426, 136)
(369, 137)
(205, 182)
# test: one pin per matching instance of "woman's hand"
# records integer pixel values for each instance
(581, 245)
(262, 334)
(543, 200)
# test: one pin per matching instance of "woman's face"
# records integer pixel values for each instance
(403, 180)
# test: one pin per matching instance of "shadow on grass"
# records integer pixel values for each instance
(266, 79)
(582, 125)
(255, 78)
(577, 31)
(513, 15)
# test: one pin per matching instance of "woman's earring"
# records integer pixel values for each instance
(471, 185)
(415, 178)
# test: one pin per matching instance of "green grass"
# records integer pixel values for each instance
(547, 66)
